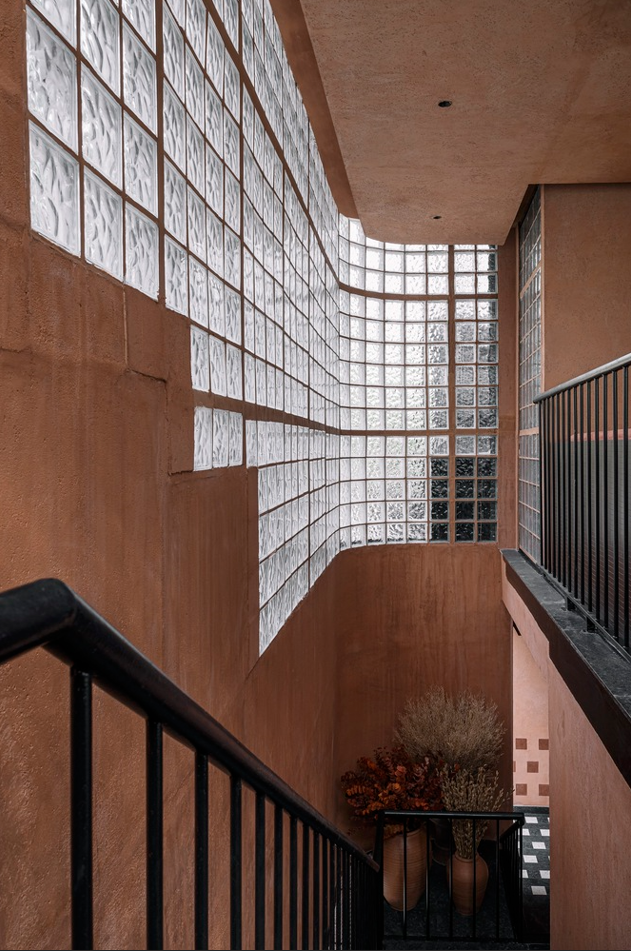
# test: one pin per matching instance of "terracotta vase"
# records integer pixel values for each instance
(442, 843)
(393, 858)
(461, 880)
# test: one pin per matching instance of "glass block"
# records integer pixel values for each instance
(174, 128)
(487, 353)
(232, 88)
(232, 148)
(62, 14)
(103, 224)
(141, 13)
(102, 135)
(139, 79)
(233, 202)
(215, 56)
(232, 258)
(417, 488)
(141, 250)
(487, 532)
(216, 305)
(251, 447)
(487, 418)
(214, 241)
(487, 467)
(200, 365)
(487, 511)
(439, 489)
(179, 10)
(235, 439)
(439, 446)
(214, 182)
(465, 466)
(196, 27)
(174, 202)
(439, 532)
(233, 315)
(417, 533)
(176, 276)
(54, 191)
(194, 81)
(203, 439)
(439, 510)
(231, 20)
(464, 531)
(197, 292)
(173, 52)
(100, 40)
(195, 160)
(221, 436)
(234, 372)
(487, 488)
(249, 378)
(396, 532)
(214, 120)
(196, 225)
(141, 160)
(52, 80)
(217, 367)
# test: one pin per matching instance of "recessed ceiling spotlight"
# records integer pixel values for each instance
(436, 217)
(445, 103)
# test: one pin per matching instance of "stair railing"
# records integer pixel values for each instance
(330, 899)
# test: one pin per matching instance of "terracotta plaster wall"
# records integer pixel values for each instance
(586, 278)
(531, 741)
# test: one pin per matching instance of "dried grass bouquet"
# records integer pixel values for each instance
(467, 790)
(464, 731)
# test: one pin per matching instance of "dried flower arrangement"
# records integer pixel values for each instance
(464, 731)
(474, 790)
(391, 780)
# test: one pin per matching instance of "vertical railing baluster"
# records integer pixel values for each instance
(339, 897)
(582, 491)
(346, 934)
(497, 880)
(201, 851)
(557, 489)
(155, 838)
(405, 878)
(625, 496)
(332, 895)
(293, 883)
(259, 873)
(305, 886)
(236, 862)
(568, 492)
(81, 808)
(562, 576)
(541, 436)
(590, 490)
(278, 877)
(597, 490)
(606, 501)
(616, 511)
(325, 893)
(316, 890)
(575, 482)
(475, 882)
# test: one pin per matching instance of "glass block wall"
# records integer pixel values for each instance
(529, 377)
(169, 147)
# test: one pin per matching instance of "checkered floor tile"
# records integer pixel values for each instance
(536, 870)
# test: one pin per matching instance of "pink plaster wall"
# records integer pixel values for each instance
(530, 728)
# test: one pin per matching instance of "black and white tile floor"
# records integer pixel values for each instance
(536, 872)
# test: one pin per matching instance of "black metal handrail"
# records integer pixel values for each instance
(585, 493)
(501, 917)
(338, 883)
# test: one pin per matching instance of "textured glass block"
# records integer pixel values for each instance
(231, 20)
(234, 372)
(176, 276)
(217, 367)
(221, 436)
(102, 132)
(103, 224)
(233, 202)
(100, 40)
(139, 79)
(174, 202)
(235, 439)
(233, 315)
(141, 13)
(232, 269)
(141, 250)
(249, 378)
(194, 89)
(197, 292)
(465, 419)
(62, 14)
(231, 143)
(196, 224)
(195, 158)
(465, 353)
(54, 192)
(140, 166)
(52, 80)
(216, 304)
(174, 128)
(179, 10)
(251, 446)
(203, 439)
(173, 50)
(214, 120)
(232, 88)
(196, 27)
(214, 241)
(200, 365)
(215, 52)
(214, 182)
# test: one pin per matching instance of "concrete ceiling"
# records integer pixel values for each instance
(541, 92)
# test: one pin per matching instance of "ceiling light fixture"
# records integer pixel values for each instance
(445, 103)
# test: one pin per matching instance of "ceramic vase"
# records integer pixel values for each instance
(460, 872)
(393, 865)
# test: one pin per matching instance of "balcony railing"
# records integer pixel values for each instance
(314, 886)
(585, 489)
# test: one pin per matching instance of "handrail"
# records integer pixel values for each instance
(49, 614)
(617, 364)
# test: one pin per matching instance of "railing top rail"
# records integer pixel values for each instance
(518, 817)
(47, 613)
(585, 377)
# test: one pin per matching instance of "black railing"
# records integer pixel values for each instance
(315, 883)
(585, 489)
(439, 907)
